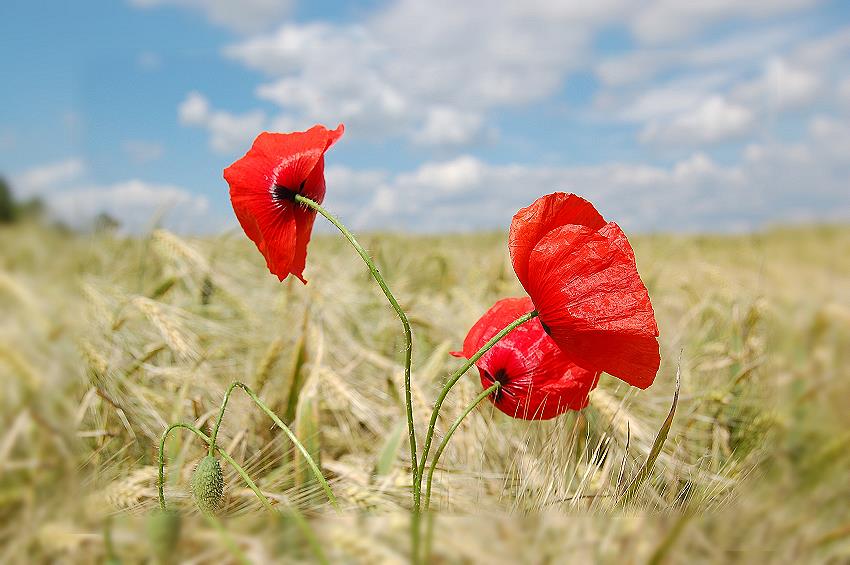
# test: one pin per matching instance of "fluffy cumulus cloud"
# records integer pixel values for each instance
(699, 94)
(768, 183)
(50, 177)
(428, 72)
(669, 20)
(727, 90)
(136, 204)
(229, 133)
(713, 120)
(242, 16)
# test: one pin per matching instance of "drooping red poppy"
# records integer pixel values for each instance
(581, 275)
(263, 185)
(538, 380)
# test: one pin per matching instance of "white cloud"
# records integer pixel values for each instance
(48, 177)
(74, 200)
(715, 119)
(134, 203)
(739, 50)
(669, 20)
(194, 110)
(447, 126)
(425, 71)
(770, 183)
(229, 133)
(140, 151)
(242, 16)
(448, 177)
(701, 92)
(780, 87)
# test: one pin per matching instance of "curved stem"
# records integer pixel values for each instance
(429, 523)
(300, 521)
(484, 394)
(453, 380)
(408, 353)
(224, 455)
(310, 461)
(303, 525)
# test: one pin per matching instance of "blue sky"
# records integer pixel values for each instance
(670, 116)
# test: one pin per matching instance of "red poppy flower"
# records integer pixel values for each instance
(580, 272)
(538, 380)
(263, 185)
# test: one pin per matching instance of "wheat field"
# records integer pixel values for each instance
(105, 340)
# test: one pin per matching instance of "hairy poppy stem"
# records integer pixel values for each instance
(303, 525)
(408, 353)
(310, 461)
(440, 448)
(453, 380)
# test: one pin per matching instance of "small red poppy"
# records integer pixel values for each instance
(580, 272)
(538, 380)
(263, 185)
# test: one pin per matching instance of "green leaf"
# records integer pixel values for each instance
(388, 453)
(644, 472)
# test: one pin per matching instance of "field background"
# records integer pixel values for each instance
(105, 340)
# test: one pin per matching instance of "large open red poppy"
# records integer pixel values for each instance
(581, 275)
(538, 380)
(263, 185)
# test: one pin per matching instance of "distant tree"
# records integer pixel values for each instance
(32, 209)
(8, 210)
(103, 222)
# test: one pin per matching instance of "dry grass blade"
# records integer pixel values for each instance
(657, 445)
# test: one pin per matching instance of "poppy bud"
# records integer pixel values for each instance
(208, 485)
(163, 533)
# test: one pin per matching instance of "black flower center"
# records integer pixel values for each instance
(546, 328)
(281, 192)
(501, 377)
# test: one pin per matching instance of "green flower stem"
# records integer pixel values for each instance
(300, 521)
(484, 394)
(224, 455)
(310, 461)
(452, 381)
(408, 353)
(429, 524)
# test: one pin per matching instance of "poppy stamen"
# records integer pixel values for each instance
(500, 377)
(280, 192)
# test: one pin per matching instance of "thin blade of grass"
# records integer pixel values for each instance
(645, 471)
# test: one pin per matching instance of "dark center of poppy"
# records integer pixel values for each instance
(501, 377)
(280, 192)
(546, 328)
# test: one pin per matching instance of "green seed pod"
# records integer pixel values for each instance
(163, 533)
(208, 485)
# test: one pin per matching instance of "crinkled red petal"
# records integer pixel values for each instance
(288, 161)
(540, 381)
(589, 294)
(530, 224)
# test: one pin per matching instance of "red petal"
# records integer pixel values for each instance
(314, 189)
(493, 321)
(589, 294)
(541, 381)
(273, 230)
(295, 161)
(296, 155)
(548, 212)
